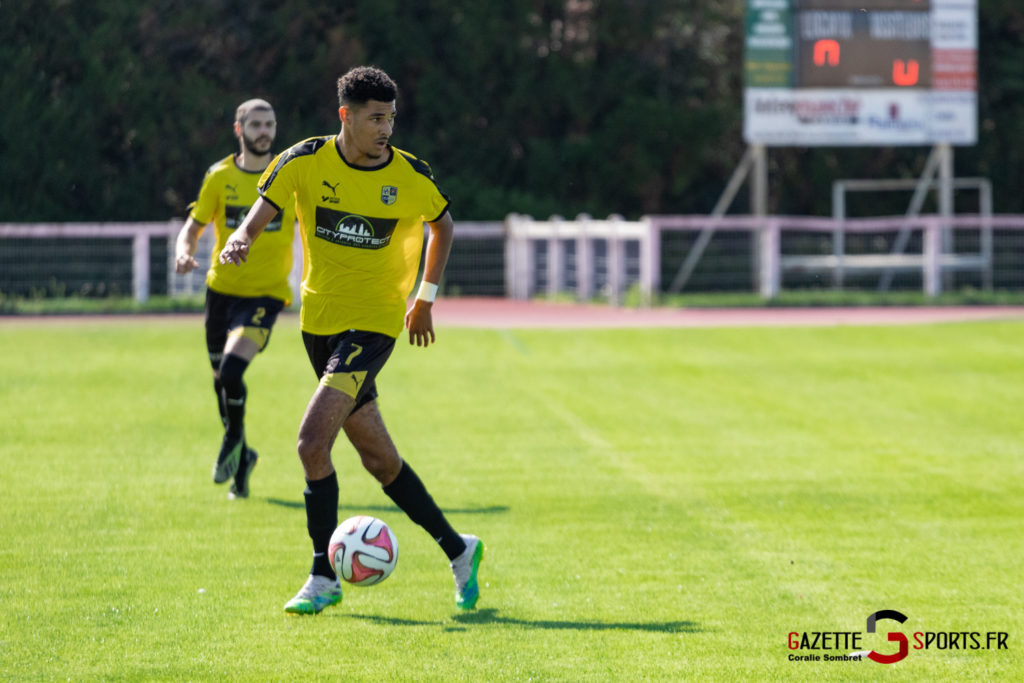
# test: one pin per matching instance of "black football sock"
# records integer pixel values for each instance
(409, 494)
(321, 520)
(231, 370)
(219, 389)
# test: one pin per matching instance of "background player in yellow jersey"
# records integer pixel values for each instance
(361, 206)
(240, 311)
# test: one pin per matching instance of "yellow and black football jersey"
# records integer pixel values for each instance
(362, 229)
(227, 194)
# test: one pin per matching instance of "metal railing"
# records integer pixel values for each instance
(585, 258)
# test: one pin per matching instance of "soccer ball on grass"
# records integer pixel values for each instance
(363, 551)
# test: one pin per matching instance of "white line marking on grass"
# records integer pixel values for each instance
(582, 429)
(514, 341)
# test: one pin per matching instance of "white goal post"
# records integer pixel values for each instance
(603, 256)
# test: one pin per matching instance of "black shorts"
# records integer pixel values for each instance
(349, 361)
(253, 317)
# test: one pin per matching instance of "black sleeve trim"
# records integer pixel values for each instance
(267, 200)
(304, 148)
(443, 212)
(418, 165)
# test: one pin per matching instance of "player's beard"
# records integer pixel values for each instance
(259, 146)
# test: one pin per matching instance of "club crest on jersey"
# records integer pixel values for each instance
(389, 194)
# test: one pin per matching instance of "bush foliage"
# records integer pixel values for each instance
(114, 109)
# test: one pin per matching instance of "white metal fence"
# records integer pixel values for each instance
(830, 250)
(92, 259)
(57, 260)
(585, 258)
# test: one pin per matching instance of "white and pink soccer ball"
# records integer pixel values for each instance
(363, 551)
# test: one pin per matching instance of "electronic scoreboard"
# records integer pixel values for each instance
(860, 72)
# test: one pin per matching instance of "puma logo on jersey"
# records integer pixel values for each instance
(333, 199)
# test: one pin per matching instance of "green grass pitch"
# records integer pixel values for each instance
(656, 504)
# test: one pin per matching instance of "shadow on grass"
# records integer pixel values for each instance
(301, 505)
(491, 616)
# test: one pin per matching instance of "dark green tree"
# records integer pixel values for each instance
(113, 109)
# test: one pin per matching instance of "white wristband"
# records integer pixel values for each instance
(428, 291)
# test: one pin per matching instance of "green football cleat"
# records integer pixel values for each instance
(464, 569)
(228, 459)
(240, 486)
(317, 593)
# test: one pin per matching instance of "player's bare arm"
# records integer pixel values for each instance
(418, 318)
(236, 250)
(185, 249)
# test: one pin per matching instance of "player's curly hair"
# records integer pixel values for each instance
(364, 83)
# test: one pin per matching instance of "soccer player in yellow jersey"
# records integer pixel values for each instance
(361, 205)
(240, 311)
